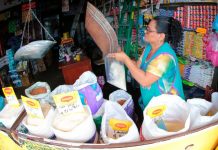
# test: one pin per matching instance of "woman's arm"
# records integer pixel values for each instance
(145, 79)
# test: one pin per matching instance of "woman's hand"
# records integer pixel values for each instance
(119, 56)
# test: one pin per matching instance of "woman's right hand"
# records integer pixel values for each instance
(119, 56)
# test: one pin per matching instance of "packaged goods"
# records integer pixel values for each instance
(117, 126)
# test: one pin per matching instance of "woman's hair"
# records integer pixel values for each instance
(171, 28)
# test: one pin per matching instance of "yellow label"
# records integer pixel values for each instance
(120, 125)
(156, 111)
(68, 102)
(32, 107)
(11, 96)
(201, 30)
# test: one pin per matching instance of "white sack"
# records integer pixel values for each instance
(128, 106)
(176, 111)
(44, 97)
(82, 131)
(114, 110)
(9, 114)
(199, 119)
(44, 129)
(33, 50)
(89, 91)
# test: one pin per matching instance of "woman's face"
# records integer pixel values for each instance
(151, 35)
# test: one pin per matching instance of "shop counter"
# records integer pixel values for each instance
(73, 69)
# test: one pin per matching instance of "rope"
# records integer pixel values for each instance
(43, 26)
(27, 19)
(24, 28)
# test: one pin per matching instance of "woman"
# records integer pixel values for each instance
(157, 70)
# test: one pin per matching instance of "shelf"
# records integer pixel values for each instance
(179, 4)
(193, 1)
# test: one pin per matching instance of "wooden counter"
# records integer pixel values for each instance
(73, 69)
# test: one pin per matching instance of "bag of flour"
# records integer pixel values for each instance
(117, 126)
(202, 113)
(9, 114)
(38, 126)
(165, 115)
(124, 99)
(89, 90)
(74, 127)
(39, 91)
(34, 50)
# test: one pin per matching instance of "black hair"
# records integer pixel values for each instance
(171, 28)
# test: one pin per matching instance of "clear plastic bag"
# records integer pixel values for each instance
(115, 73)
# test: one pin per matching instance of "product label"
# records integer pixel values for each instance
(68, 102)
(118, 128)
(32, 107)
(11, 96)
(156, 111)
(121, 125)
